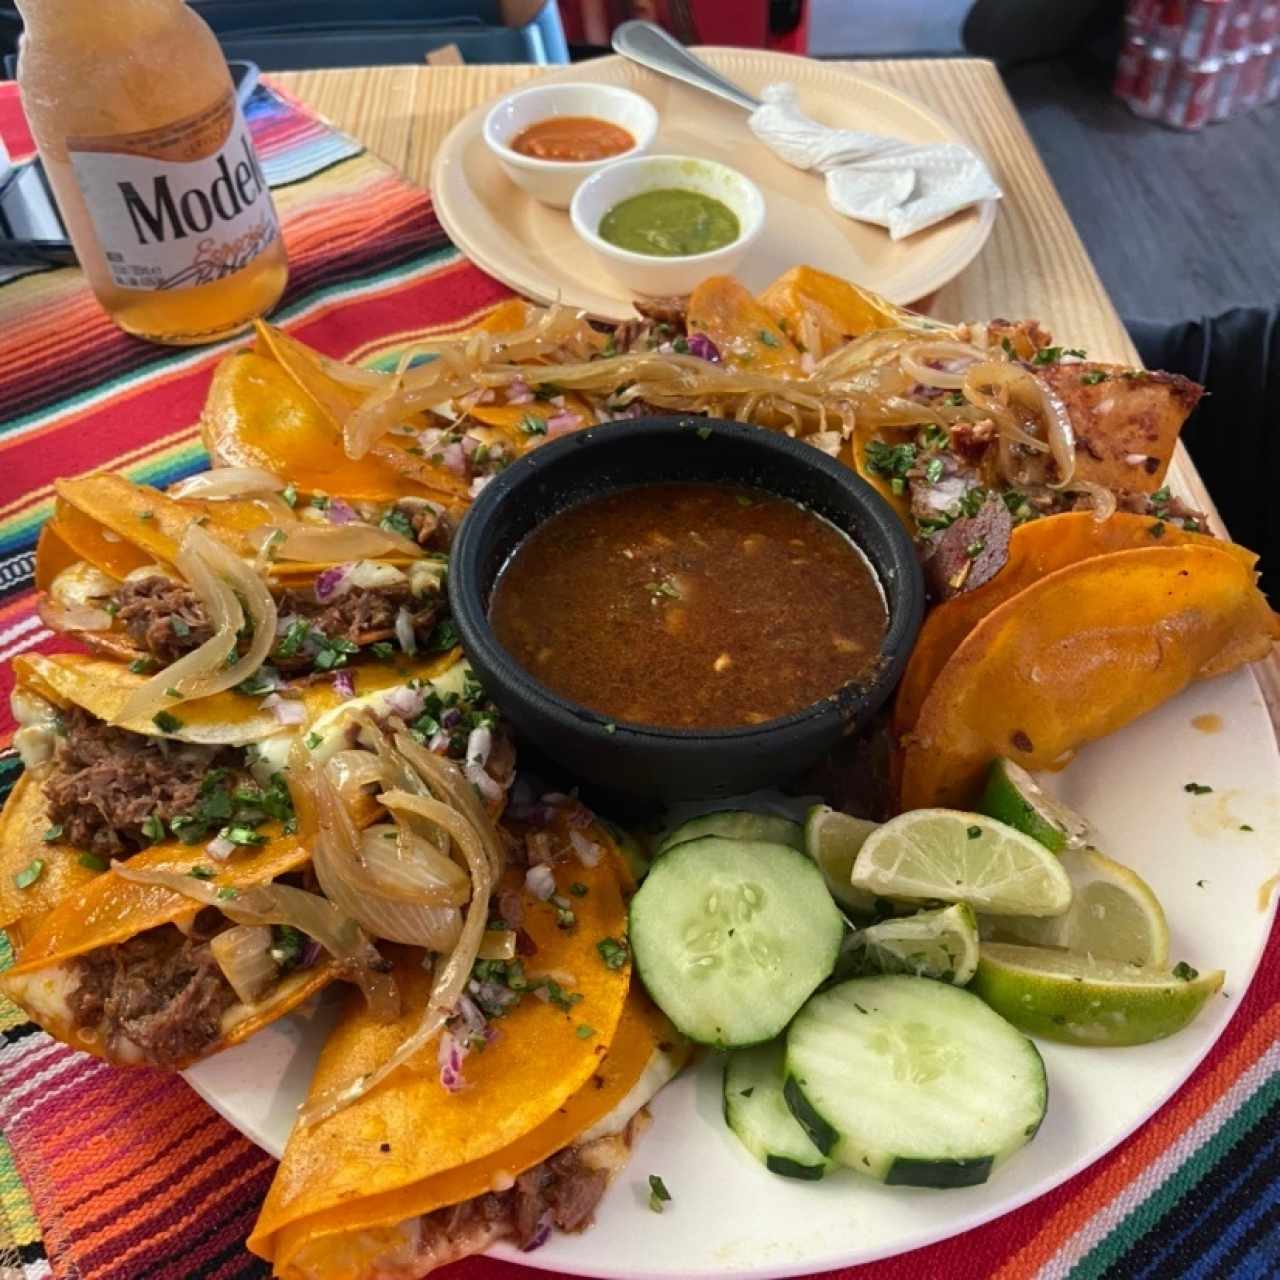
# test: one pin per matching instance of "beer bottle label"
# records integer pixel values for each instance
(180, 205)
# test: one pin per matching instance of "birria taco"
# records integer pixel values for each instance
(203, 588)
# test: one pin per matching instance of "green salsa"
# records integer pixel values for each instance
(671, 222)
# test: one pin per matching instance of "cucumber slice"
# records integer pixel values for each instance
(734, 824)
(732, 936)
(912, 1081)
(754, 1109)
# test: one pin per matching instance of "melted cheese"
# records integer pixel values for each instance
(38, 720)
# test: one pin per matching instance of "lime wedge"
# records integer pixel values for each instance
(1014, 797)
(951, 856)
(939, 944)
(1086, 1001)
(832, 839)
(1113, 915)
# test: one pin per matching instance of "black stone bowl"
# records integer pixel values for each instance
(645, 760)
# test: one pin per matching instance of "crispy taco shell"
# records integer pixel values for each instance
(108, 910)
(1061, 663)
(1042, 547)
(517, 1083)
(102, 688)
(344, 1241)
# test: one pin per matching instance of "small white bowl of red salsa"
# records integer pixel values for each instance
(550, 138)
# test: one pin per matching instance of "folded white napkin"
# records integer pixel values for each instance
(899, 185)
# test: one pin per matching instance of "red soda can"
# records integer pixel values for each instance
(1170, 22)
(1228, 87)
(1153, 81)
(1133, 56)
(1203, 31)
(1253, 77)
(1140, 17)
(1266, 21)
(1237, 34)
(1189, 101)
(1271, 87)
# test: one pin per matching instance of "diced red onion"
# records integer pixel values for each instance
(429, 438)
(404, 631)
(558, 401)
(329, 581)
(220, 847)
(344, 683)
(484, 784)
(541, 1234)
(469, 445)
(454, 459)
(471, 1016)
(581, 816)
(341, 512)
(285, 710)
(310, 954)
(540, 882)
(449, 1056)
(438, 742)
(450, 718)
(702, 347)
(405, 702)
(563, 422)
(588, 853)
(479, 744)
(519, 392)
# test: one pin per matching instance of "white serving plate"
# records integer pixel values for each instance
(535, 250)
(729, 1217)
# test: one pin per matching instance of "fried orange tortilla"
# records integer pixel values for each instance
(325, 1242)
(822, 312)
(103, 687)
(1037, 549)
(516, 1084)
(107, 909)
(745, 333)
(1126, 421)
(1072, 658)
(257, 415)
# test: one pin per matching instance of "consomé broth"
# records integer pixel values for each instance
(690, 606)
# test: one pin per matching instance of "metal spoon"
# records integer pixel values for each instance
(650, 46)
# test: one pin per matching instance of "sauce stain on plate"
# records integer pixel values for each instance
(1210, 722)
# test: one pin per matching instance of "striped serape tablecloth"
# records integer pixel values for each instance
(123, 1175)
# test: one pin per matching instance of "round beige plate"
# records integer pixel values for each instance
(534, 249)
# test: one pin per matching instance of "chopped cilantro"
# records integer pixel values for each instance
(29, 874)
(287, 945)
(290, 494)
(153, 828)
(933, 436)
(973, 832)
(954, 399)
(768, 339)
(565, 918)
(320, 501)
(1244, 826)
(704, 433)
(257, 684)
(226, 893)
(933, 470)
(680, 346)
(146, 515)
(532, 425)
(1008, 348)
(201, 873)
(975, 548)
(1156, 530)
(178, 626)
(396, 521)
(612, 952)
(313, 741)
(382, 650)
(890, 459)
(171, 692)
(658, 1193)
(1197, 789)
(1051, 355)
(333, 651)
(1094, 376)
(443, 636)
(53, 833)
(294, 638)
(142, 666)
(609, 727)
(546, 390)
(584, 1032)
(579, 890)
(1184, 971)
(92, 861)
(744, 501)
(166, 722)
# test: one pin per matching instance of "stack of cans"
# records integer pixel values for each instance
(1188, 63)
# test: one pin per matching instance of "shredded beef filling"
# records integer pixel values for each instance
(161, 990)
(106, 783)
(164, 617)
(361, 616)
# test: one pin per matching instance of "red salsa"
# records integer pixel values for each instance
(573, 138)
(690, 606)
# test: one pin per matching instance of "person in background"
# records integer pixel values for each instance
(758, 24)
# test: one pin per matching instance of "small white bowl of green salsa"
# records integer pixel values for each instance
(660, 224)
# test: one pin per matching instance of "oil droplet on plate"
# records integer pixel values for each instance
(1211, 722)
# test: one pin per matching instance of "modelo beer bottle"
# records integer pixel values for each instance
(146, 149)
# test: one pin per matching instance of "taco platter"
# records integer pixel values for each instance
(272, 767)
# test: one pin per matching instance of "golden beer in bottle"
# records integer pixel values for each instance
(155, 174)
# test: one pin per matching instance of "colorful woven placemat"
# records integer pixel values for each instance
(114, 1175)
